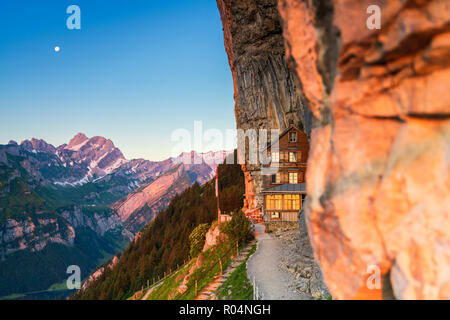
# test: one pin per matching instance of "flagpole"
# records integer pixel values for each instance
(217, 195)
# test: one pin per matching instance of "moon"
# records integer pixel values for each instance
(57, 49)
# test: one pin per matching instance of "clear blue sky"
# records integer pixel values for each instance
(136, 71)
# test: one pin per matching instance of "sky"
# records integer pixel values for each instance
(135, 72)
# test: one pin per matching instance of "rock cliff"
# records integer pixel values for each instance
(16, 235)
(34, 233)
(378, 170)
(142, 205)
(265, 90)
(267, 93)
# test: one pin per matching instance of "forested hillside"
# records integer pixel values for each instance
(164, 243)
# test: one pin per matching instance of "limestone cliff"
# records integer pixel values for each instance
(21, 234)
(378, 171)
(34, 233)
(266, 93)
(144, 204)
(141, 206)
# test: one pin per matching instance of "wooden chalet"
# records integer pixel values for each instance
(284, 185)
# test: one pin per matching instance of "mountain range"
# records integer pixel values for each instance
(79, 203)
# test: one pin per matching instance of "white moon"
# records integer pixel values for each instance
(57, 49)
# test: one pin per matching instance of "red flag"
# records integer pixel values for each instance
(217, 183)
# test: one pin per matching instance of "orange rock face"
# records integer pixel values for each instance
(213, 237)
(378, 172)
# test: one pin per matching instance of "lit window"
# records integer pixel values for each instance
(297, 202)
(293, 177)
(274, 202)
(292, 202)
(293, 137)
(275, 215)
(288, 201)
(292, 156)
(275, 157)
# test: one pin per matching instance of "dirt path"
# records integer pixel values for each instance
(263, 267)
(208, 293)
(149, 291)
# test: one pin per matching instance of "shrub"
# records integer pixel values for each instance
(197, 239)
(239, 228)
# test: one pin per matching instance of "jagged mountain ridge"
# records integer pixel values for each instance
(90, 159)
(49, 195)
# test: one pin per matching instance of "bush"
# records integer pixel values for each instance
(239, 228)
(197, 239)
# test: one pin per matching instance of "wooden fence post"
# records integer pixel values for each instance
(196, 288)
(254, 288)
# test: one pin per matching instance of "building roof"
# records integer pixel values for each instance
(287, 188)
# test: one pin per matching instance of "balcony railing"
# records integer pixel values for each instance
(287, 163)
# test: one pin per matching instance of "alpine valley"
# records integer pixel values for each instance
(79, 204)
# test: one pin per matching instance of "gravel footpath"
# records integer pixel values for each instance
(264, 267)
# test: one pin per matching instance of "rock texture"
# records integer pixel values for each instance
(142, 205)
(97, 273)
(97, 154)
(213, 237)
(266, 93)
(34, 233)
(16, 235)
(298, 258)
(100, 223)
(378, 171)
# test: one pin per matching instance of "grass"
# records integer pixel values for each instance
(210, 268)
(237, 286)
(204, 275)
(168, 289)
